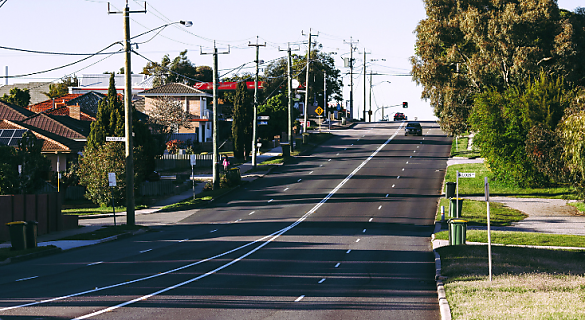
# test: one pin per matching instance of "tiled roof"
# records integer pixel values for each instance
(55, 125)
(64, 111)
(51, 142)
(174, 89)
(49, 104)
(12, 112)
(88, 103)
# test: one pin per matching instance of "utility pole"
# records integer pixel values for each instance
(370, 112)
(351, 48)
(130, 212)
(305, 126)
(370, 95)
(290, 114)
(214, 111)
(325, 97)
(255, 121)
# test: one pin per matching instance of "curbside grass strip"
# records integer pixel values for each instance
(443, 303)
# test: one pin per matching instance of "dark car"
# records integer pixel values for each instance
(413, 128)
(399, 116)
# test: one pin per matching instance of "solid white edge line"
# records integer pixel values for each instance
(274, 235)
(24, 279)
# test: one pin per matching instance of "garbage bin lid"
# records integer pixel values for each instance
(457, 198)
(458, 221)
(15, 222)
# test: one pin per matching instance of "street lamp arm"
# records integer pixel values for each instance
(185, 23)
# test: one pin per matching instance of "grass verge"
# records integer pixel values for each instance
(6, 253)
(459, 149)
(475, 186)
(105, 232)
(521, 238)
(527, 284)
(97, 210)
(475, 212)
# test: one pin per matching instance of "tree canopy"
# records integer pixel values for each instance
(243, 115)
(60, 89)
(465, 47)
(180, 70)
(18, 97)
(109, 119)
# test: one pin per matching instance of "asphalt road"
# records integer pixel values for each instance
(342, 233)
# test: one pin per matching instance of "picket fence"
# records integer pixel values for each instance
(182, 161)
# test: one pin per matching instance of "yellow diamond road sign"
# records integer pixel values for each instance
(319, 110)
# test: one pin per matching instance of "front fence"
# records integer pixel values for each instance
(182, 161)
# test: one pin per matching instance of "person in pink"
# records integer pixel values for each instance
(226, 164)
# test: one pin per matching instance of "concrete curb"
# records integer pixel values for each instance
(31, 256)
(443, 303)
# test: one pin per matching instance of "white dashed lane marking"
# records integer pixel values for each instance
(364, 231)
(299, 180)
(95, 263)
(251, 213)
(348, 251)
(337, 265)
(322, 280)
(370, 219)
(144, 251)
(300, 298)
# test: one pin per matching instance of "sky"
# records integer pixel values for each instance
(381, 28)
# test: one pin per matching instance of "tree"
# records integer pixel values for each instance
(277, 109)
(180, 70)
(9, 181)
(242, 124)
(168, 115)
(503, 123)
(18, 97)
(62, 88)
(109, 119)
(466, 47)
(34, 164)
(93, 171)
(321, 64)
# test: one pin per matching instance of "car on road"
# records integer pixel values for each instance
(398, 116)
(413, 128)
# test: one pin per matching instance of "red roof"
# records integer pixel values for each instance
(49, 104)
(64, 111)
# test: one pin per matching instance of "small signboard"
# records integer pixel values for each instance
(319, 111)
(112, 179)
(193, 160)
(467, 175)
(263, 117)
(263, 123)
(119, 139)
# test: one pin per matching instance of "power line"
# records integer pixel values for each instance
(61, 67)
(57, 53)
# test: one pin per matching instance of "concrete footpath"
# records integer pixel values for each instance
(146, 217)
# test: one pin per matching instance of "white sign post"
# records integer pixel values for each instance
(462, 175)
(112, 183)
(487, 200)
(193, 163)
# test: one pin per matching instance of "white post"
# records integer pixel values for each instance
(457, 198)
(487, 200)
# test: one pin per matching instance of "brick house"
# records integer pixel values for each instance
(193, 100)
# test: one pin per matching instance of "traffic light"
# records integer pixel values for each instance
(405, 104)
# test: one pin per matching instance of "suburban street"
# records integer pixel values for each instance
(341, 233)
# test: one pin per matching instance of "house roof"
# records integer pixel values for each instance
(88, 103)
(60, 125)
(174, 89)
(11, 112)
(51, 103)
(65, 111)
(52, 143)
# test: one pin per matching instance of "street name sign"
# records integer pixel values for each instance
(263, 117)
(119, 139)
(467, 175)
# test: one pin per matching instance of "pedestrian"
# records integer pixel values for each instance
(226, 164)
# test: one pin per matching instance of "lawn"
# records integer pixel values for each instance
(521, 238)
(527, 284)
(475, 212)
(459, 149)
(475, 186)
(92, 209)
